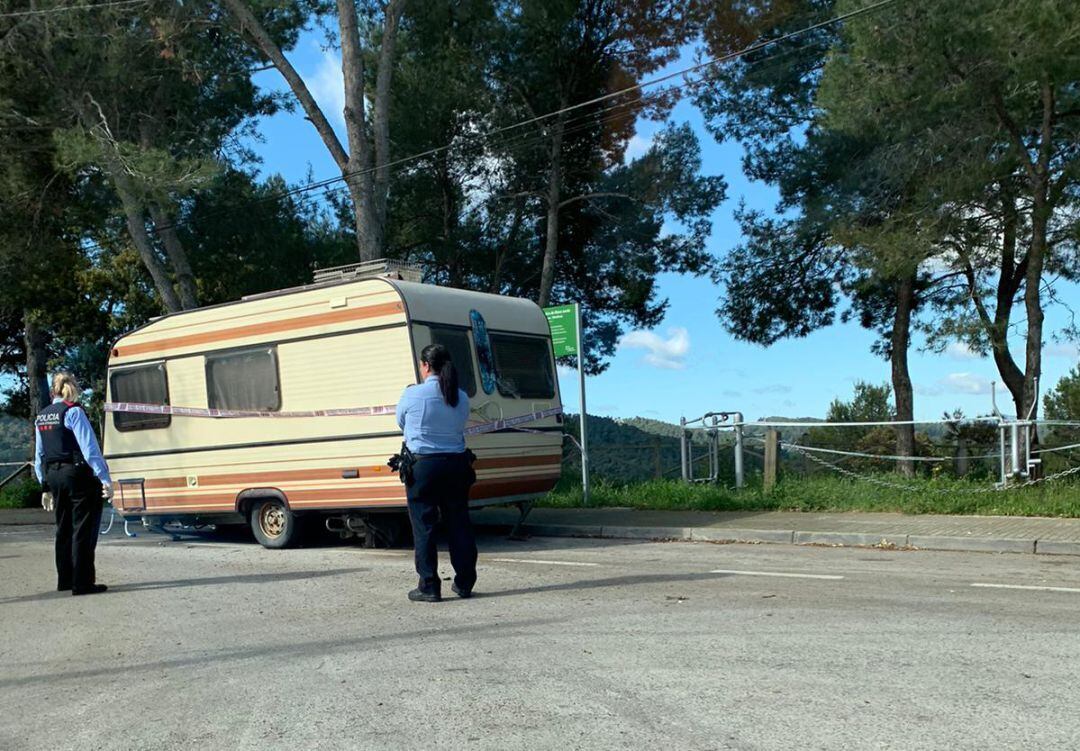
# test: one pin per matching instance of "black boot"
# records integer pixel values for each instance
(93, 589)
(419, 595)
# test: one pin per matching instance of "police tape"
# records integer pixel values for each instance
(512, 422)
(166, 409)
(383, 409)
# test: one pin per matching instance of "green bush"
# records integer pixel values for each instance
(21, 494)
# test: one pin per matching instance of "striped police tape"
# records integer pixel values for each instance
(383, 409)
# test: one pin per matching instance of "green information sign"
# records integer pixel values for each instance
(563, 322)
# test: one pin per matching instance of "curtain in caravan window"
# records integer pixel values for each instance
(145, 384)
(523, 365)
(246, 379)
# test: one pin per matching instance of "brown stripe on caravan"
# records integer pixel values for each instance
(158, 346)
(521, 486)
(272, 477)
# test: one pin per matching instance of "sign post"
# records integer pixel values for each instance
(565, 324)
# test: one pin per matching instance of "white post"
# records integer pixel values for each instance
(584, 412)
(740, 477)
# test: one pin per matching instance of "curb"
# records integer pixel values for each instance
(798, 537)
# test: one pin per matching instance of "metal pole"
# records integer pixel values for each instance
(740, 478)
(714, 451)
(1014, 436)
(1001, 452)
(682, 450)
(584, 412)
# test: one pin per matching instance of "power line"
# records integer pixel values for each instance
(480, 138)
(72, 8)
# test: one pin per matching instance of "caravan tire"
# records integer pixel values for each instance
(274, 525)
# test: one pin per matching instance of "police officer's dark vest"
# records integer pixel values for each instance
(58, 442)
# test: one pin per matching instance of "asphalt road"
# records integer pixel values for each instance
(572, 644)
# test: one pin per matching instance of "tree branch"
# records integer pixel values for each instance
(587, 196)
(247, 21)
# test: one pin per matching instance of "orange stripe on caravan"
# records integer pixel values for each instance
(367, 497)
(255, 329)
(272, 477)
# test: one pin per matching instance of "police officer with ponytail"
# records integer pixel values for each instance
(69, 466)
(432, 415)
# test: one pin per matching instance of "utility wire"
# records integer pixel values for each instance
(480, 138)
(72, 8)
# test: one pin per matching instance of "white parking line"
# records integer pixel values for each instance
(549, 563)
(1028, 586)
(830, 577)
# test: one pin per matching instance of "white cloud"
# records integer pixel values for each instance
(565, 370)
(1066, 350)
(961, 351)
(965, 383)
(923, 389)
(328, 87)
(669, 353)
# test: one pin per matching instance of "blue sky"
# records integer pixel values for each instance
(690, 364)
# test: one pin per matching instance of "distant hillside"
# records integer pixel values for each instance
(639, 448)
(15, 439)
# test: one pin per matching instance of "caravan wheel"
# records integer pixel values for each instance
(274, 525)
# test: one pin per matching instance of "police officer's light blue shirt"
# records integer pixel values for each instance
(78, 423)
(431, 425)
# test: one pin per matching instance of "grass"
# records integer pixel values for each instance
(20, 494)
(824, 493)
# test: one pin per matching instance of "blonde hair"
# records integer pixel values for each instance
(65, 386)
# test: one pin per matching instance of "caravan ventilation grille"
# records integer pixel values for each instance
(367, 269)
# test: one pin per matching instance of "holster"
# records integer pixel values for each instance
(403, 463)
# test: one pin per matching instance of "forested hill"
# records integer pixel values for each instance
(14, 439)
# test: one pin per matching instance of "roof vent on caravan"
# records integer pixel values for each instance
(368, 269)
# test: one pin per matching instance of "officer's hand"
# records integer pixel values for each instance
(47, 501)
(107, 491)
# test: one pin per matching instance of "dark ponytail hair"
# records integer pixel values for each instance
(437, 358)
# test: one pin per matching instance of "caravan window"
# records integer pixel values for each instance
(457, 341)
(244, 379)
(145, 384)
(523, 364)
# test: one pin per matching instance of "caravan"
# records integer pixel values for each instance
(278, 409)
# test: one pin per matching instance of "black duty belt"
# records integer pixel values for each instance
(451, 455)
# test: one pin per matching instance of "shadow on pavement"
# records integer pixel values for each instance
(488, 630)
(208, 581)
(614, 581)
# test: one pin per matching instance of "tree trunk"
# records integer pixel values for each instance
(185, 279)
(381, 113)
(1040, 216)
(37, 362)
(135, 214)
(901, 377)
(358, 170)
(551, 239)
(511, 239)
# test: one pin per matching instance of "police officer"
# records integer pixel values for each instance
(432, 415)
(69, 465)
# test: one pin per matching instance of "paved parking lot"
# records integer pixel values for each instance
(209, 643)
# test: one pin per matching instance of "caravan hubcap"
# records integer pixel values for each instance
(272, 519)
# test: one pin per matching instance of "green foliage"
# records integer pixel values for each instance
(1063, 403)
(829, 493)
(16, 440)
(20, 494)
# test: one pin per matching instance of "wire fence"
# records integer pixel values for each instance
(969, 449)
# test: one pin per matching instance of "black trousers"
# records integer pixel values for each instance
(440, 488)
(77, 494)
